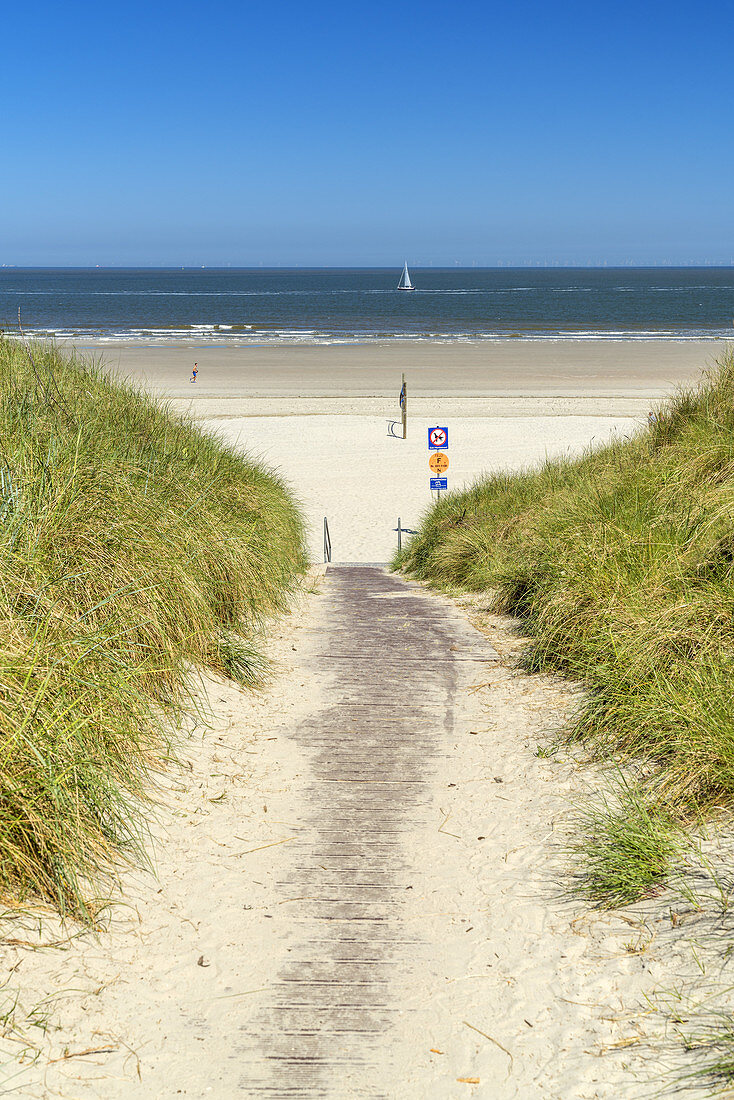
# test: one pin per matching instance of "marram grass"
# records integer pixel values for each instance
(132, 546)
(621, 564)
(627, 846)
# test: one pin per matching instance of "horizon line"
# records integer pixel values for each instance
(371, 267)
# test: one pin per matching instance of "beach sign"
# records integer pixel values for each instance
(438, 441)
(439, 462)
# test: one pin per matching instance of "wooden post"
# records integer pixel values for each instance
(404, 392)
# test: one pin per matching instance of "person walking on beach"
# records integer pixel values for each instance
(194, 373)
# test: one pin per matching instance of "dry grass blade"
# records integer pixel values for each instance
(496, 1042)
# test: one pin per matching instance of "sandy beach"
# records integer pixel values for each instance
(589, 368)
(508, 404)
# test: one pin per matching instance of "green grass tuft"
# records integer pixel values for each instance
(627, 848)
(132, 546)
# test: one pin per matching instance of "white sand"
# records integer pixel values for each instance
(348, 469)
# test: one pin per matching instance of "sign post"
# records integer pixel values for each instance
(438, 460)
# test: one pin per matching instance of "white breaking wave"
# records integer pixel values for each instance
(250, 335)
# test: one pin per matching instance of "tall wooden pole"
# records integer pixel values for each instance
(404, 391)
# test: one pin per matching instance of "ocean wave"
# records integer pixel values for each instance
(224, 335)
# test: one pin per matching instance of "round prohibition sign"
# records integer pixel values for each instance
(438, 437)
(439, 462)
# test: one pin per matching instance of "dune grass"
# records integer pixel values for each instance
(621, 564)
(627, 846)
(132, 547)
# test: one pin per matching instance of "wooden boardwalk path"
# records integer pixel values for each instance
(390, 658)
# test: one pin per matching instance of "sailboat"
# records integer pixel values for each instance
(405, 283)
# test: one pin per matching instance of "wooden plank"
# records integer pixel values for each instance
(387, 662)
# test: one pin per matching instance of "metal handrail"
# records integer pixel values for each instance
(400, 529)
(327, 541)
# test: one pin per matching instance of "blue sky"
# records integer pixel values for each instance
(323, 133)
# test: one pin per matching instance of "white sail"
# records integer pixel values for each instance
(405, 283)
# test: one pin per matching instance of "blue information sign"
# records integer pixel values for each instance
(439, 483)
(438, 439)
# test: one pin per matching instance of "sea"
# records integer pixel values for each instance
(357, 305)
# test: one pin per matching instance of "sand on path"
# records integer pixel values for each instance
(390, 661)
(484, 980)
